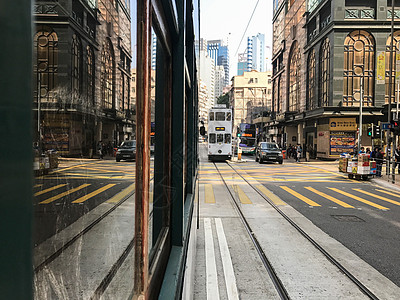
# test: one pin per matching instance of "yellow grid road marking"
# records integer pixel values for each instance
(299, 196)
(337, 201)
(73, 167)
(64, 194)
(118, 197)
(389, 193)
(50, 189)
(377, 196)
(392, 191)
(37, 185)
(242, 196)
(274, 198)
(209, 194)
(359, 199)
(92, 194)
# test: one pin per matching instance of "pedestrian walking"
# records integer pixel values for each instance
(379, 162)
(100, 149)
(298, 152)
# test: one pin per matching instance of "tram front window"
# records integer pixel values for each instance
(220, 116)
(212, 138)
(228, 116)
(211, 116)
(220, 138)
(227, 138)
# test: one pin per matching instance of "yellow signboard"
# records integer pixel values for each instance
(397, 67)
(380, 68)
(342, 124)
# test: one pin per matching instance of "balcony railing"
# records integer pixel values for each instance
(359, 13)
(396, 13)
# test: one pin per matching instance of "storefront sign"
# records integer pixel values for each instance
(341, 142)
(380, 68)
(340, 124)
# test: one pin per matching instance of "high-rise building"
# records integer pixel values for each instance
(219, 81)
(220, 54)
(256, 53)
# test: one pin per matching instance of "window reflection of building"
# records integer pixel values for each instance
(294, 79)
(311, 81)
(396, 48)
(358, 63)
(89, 75)
(46, 51)
(325, 74)
(76, 67)
(107, 68)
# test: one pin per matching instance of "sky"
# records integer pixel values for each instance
(227, 20)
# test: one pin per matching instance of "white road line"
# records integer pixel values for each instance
(230, 279)
(211, 267)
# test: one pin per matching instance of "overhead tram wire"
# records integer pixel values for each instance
(251, 17)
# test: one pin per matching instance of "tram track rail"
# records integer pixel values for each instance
(329, 257)
(267, 264)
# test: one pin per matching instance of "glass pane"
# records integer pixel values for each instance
(220, 138)
(227, 138)
(84, 156)
(211, 116)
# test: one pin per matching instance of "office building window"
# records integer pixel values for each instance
(76, 67)
(107, 75)
(325, 58)
(311, 81)
(358, 67)
(396, 48)
(294, 78)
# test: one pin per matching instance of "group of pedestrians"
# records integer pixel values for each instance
(378, 156)
(295, 152)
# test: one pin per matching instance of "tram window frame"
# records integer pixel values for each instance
(212, 138)
(219, 116)
(228, 116)
(220, 138)
(211, 116)
(228, 138)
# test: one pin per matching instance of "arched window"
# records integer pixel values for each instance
(46, 52)
(358, 64)
(294, 79)
(107, 75)
(89, 74)
(396, 49)
(324, 87)
(76, 67)
(311, 70)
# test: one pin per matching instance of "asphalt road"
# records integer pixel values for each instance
(362, 216)
(78, 186)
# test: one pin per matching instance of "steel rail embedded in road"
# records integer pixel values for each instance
(267, 264)
(361, 286)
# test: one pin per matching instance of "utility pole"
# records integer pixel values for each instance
(389, 133)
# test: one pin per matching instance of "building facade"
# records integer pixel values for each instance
(324, 64)
(249, 98)
(82, 57)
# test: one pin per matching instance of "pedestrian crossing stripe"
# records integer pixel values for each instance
(389, 193)
(47, 201)
(378, 197)
(274, 198)
(299, 196)
(243, 198)
(359, 199)
(49, 189)
(209, 193)
(337, 201)
(92, 194)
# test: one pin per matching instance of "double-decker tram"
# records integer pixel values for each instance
(248, 140)
(220, 133)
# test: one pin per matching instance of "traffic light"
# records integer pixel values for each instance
(369, 130)
(238, 134)
(395, 127)
(377, 134)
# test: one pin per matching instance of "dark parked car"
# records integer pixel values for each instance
(267, 151)
(127, 150)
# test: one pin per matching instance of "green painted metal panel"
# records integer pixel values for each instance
(16, 155)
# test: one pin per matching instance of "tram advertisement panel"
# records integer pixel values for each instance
(341, 141)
